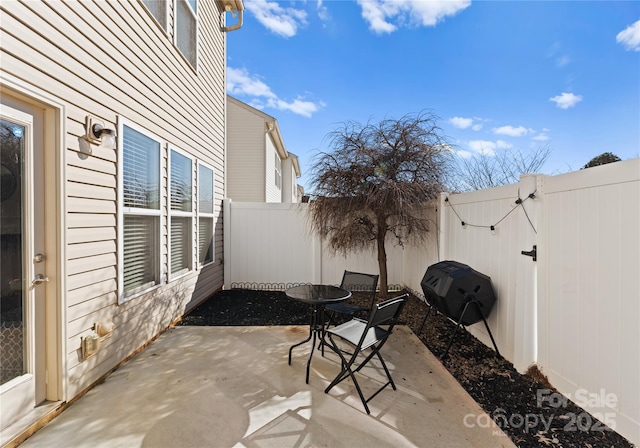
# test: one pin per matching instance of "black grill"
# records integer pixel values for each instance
(460, 293)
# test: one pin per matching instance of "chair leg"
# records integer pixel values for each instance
(384, 365)
(376, 351)
(344, 373)
(362, 398)
(347, 371)
(343, 365)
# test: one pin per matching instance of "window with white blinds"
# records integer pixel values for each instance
(141, 213)
(186, 29)
(180, 213)
(205, 214)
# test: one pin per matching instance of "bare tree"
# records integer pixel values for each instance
(501, 168)
(376, 181)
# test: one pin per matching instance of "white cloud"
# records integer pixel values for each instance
(430, 13)
(241, 83)
(487, 147)
(297, 106)
(464, 123)
(375, 13)
(282, 21)
(511, 131)
(381, 13)
(555, 52)
(461, 123)
(484, 147)
(464, 154)
(561, 61)
(542, 137)
(323, 13)
(566, 100)
(630, 37)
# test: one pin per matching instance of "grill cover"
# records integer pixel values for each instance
(449, 285)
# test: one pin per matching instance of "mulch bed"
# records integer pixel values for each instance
(510, 398)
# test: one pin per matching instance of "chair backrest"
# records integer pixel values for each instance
(357, 281)
(387, 312)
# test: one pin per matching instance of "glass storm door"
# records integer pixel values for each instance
(22, 276)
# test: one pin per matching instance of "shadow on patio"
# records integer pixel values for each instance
(232, 387)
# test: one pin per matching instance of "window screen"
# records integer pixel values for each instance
(278, 171)
(158, 9)
(186, 30)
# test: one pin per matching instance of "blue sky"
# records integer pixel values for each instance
(501, 75)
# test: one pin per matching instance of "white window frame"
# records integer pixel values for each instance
(176, 24)
(179, 213)
(132, 211)
(201, 214)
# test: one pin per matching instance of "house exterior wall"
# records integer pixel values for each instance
(274, 192)
(246, 158)
(254, 140)
(289, 181)
(112, 61)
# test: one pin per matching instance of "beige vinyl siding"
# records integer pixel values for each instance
(289, 181)
(110, 60)
(293, 182)
(274, 194)
(246, 133)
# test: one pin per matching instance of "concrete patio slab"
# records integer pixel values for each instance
(233, 387)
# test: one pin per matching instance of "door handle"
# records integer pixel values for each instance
(39, 279)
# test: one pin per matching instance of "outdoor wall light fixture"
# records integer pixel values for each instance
(98, 134)
(107, 136)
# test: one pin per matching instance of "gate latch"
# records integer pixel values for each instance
(532, 253)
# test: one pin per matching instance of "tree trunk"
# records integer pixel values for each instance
(382, 260)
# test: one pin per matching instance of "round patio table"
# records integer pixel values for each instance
(317, 296)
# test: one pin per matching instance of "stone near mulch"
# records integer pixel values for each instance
(526, 407)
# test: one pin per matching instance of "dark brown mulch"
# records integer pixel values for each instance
(510, 398)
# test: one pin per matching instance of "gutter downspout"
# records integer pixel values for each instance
(237, 25)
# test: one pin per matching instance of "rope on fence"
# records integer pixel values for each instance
(492, 227)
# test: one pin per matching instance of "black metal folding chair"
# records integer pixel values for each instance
(366, 335)
(354, 282)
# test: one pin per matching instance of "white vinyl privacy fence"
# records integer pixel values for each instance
(271, 246)
(574, 311)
